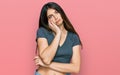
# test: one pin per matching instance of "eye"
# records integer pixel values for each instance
(56, 12)
(50, 16)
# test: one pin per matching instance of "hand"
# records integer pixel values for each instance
(38, 61)
(54, 27)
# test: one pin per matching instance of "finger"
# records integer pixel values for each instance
(52, 22)
(51, 25)
(36, 57)
(37, 64)
(36, 60)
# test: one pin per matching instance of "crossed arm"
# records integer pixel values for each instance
(46, 54)
(45, 51)
(73, 67)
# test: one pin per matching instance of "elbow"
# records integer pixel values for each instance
(46, 61)
(77, 70)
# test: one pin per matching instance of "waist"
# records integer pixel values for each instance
(48, 71)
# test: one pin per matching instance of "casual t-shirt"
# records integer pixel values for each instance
(64, 52)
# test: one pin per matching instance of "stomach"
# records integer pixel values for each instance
(48, 71)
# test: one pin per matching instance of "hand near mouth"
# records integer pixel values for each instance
(54, 27)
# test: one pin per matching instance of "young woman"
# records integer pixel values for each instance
(58, 43)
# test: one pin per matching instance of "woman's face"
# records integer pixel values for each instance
(54, 16)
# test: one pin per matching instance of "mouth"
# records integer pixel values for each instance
(57, 21)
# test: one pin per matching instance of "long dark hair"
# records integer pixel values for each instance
(43, 20)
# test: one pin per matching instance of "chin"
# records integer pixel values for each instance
(59, 24)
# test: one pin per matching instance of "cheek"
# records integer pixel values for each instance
(60, 17)
(53, 19)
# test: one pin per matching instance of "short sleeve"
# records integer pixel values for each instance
(41, 32)
(76, 40)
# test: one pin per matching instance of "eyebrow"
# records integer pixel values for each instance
(51, 14)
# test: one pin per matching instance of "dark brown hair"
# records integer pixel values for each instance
(43, 20)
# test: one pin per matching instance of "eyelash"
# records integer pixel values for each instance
(52, 15)
(56, 12)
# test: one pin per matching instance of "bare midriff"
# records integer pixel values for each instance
(48, 71)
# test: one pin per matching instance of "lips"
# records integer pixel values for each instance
(57, 21)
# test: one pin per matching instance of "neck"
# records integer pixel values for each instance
(62, 28)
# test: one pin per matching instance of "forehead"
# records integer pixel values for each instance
(50, 11)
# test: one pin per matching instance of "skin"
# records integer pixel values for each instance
(47, 52)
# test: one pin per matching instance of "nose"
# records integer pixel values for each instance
(55, 16)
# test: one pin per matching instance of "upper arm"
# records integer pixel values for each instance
(76, 47)
(41, 40)
(76, 55)
(76, 58)
(42, 44)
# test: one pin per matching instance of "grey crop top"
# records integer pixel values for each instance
(64, 52)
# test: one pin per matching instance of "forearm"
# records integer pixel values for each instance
(64, 67)
(48, 54)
